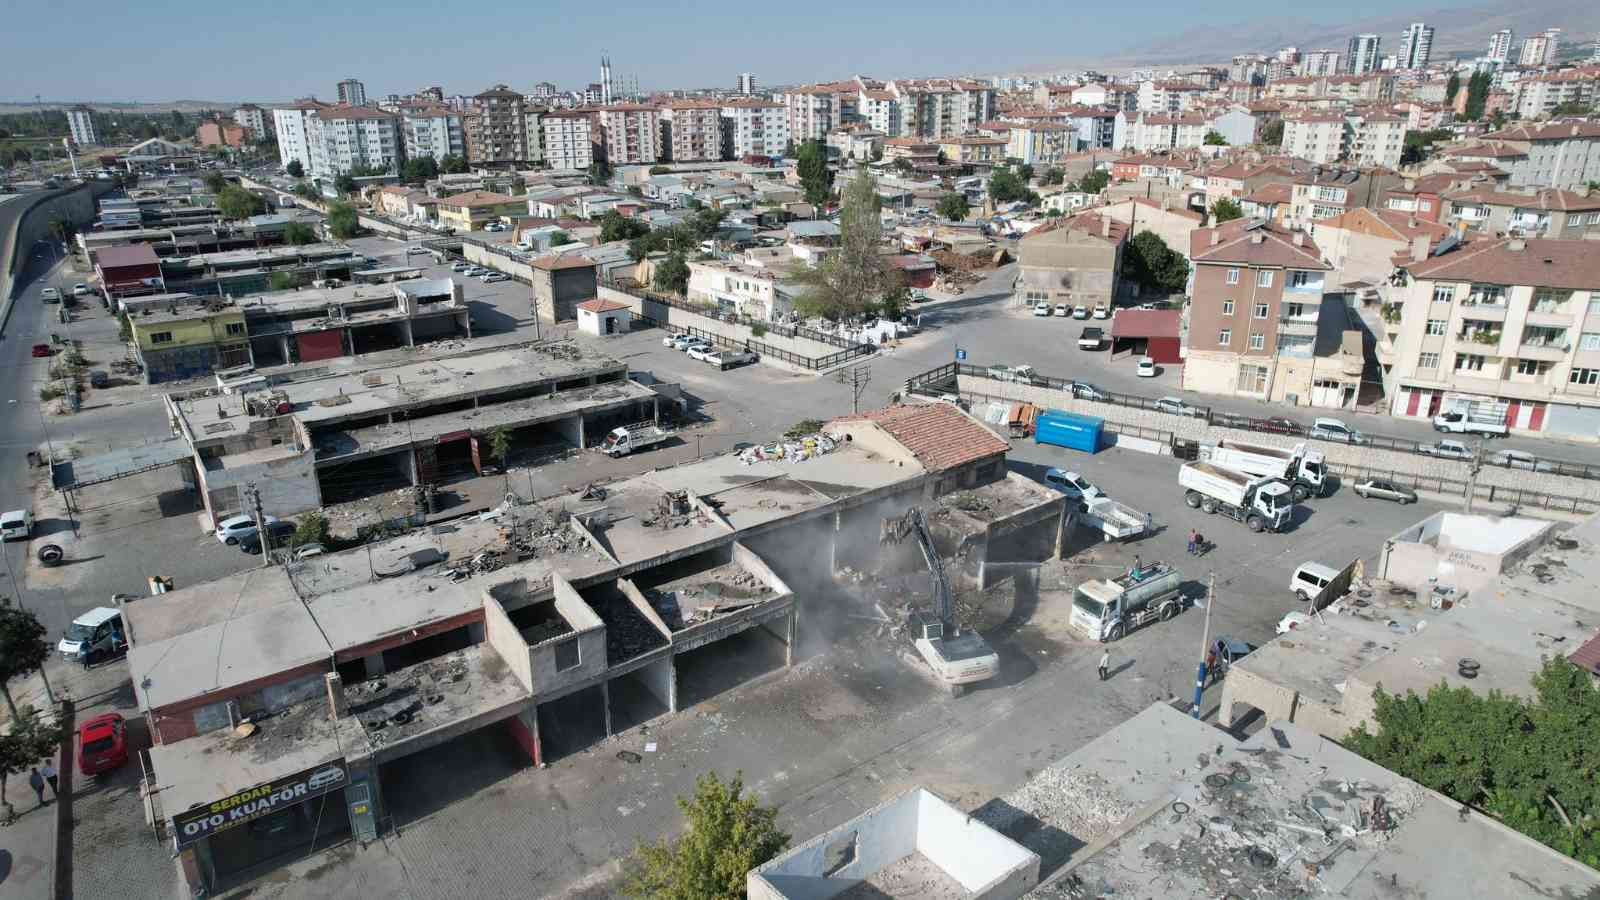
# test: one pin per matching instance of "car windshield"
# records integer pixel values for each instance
(1088, 604)
(78, 631)
(99, 745)
(1314, 468)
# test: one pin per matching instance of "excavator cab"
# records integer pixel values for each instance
(926, 627)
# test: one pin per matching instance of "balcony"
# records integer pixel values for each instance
(1302, 324)
(1544, 350)
(1483, 312)
(1556, 316)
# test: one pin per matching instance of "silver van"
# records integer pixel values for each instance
(1310, 579)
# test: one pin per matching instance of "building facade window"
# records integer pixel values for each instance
(1588, 377)
(1225, 337)
(1227, 307)
(1469, 362)
(1444, 293)
(1299, 279)
(1258, 341)
(1589, 340)
(236, 328)
(1233, 276)
(1428, 361)
(1264, 278)
(1261, 311)
(1436, 327)
(161, 337)
(1531, 367)
(1253, 379)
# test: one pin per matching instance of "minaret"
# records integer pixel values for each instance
(605, 81)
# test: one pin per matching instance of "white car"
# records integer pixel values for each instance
(1147, 367)
(16, 525)
(1041, 308)
(1176, 407)
(493, 277)
(1102, 311)
(1063, 310)
(1072, 484)
(460, 266)
(684, 342)
(231, 529)
(50, 295)
(1080, 312)
(80, 289)
(1337, 431)
(702, 352)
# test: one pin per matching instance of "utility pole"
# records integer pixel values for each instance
(261, 526)
(856, 377)
(1205, 646)
(1473, 468)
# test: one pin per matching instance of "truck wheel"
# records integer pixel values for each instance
(1439, 428)
(1168, 610)
(1193, 499)
(957, 690)
(1255, 523)
(1299, 493)
(1209, 506)
(1115, 634)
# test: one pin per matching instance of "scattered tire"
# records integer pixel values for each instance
(51, 554)
(1468, 662)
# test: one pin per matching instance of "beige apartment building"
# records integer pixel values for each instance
(632, 133)
(1074, 261)
(496, 128)
(1257, 315)
(691, 131)
(568, 138)
(1512, 324)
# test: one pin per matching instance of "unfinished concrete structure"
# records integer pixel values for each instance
(322, 323)
(237, 272)
(1459, 550)
(337, 436)
(915, 845)
(1325, 672)
(595, 608)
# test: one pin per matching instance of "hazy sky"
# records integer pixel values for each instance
(166, 50)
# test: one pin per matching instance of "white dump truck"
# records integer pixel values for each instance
(1262, 504)
(1108, 608)
(1302, 468)
(633, 438)
(1112, 519)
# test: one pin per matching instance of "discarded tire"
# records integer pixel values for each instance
(1468, 674)
(51, 554)
(1468, 662)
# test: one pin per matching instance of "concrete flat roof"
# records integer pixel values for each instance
(469, 685)
(1253, 817)
(226, 654)
(163, 616)
(84, 471)
(254, 254)
(1486, 534)
(340, 445)
(280, 302)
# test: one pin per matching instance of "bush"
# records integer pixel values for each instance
(50, 392)
(311, 529)
(758, 330)
(803, 427)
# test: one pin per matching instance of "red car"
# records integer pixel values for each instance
(41, 350)
(102, 744)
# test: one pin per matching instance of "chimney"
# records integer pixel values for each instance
(1299, 238)
(1105, 226)
(1419, 248)
(1216, 237)
(337, 708)
(1516, 245)
(1257, 237)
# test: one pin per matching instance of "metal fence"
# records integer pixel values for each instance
(943, 380)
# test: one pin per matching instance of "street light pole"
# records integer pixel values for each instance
(1205, 644)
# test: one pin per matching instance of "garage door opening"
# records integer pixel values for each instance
(730, 663)
(422, 783)
(377, 338)
(641, 695)
(572, 723)
(343, 482)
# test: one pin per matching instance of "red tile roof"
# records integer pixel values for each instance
(598, 305)
(1237, 244)
(1587, 657)
(553, 263)
(1572, 265)
(130, 255)
(939, 435)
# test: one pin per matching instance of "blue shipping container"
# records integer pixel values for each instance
(1070, 430)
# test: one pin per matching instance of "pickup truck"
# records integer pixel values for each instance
(1474, 419)
(633, 438)
(1091, 338)
(727, 359)
(1112, 519)
(1447, 450)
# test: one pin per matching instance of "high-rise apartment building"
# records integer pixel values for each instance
(496, 128)
(1500, 45)
(692, 131)
(341, 138)
(1541, 49)
(1362, 55)
(1416, 44)
(568, 138)
(754, 128)
(251, 116)
(352, 92)
(1320, 62)
(632, 133)
(432, 129)
(80, 121)
(289, 123)
(746, 84)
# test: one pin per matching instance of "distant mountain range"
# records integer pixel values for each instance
(1456, 29)
(8, 107)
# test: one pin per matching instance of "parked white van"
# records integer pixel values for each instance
(1309, 580)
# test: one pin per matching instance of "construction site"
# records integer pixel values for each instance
(426, 667)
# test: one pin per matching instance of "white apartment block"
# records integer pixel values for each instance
(1416, 45)
(1112, 96)
(1321, 138)
(1320, 62)
(754, 128)
(1169, 96)
(695, 130)
(568, 139)
(1541, 49)
(533, 119)
(742, 289)
(1362, 56)
(942, 108)
(80, 121)
(1563, 155)
(1500, 45)
(1511, 324)
(880, 110)
(1378, 140)
(289, 123)
(632, 133)
(812, 112)
(1537, 97)
(432, 130)
(340, 138)
(254, 118)
(1041, 143)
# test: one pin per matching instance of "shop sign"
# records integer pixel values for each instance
(203, 821)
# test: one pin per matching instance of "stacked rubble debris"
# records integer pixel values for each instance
(695, 604)
(386, 706)
(796, 450)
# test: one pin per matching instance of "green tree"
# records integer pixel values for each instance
(953, 206)
(816, 179)
(343, 222)
(904, 166)
(1215, 139)
(29, 739)
(453, 165)
(1527, 763)
(1153, 265)
(1272, 133)
(419, 169)
(557, 238)
(706, 223)
(852, 280)
(1418, 143)
(235, 203)
(1572, 108)
(345, 184)
(1452, 87)
(660, 170)
(672, 274)
(599, 172)
(729, 833)
(22, 647)
(500, 444)
(294, 169)
(1054, 175)
(1094, 182)
(1007, 185)
(1226, 209)
(214, 182)
(62, 229)
(281, 281)
(298, 234)
(614, 226)
(1477, 93)
(877, 154)
(311, 529)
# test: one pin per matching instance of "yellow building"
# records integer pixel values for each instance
(186, 341)
(475, 209)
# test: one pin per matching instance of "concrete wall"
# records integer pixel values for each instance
(587, 629)
(1279, 702)
(288, 486)
(986, 862)
(77, 204)
(499, 633)
(1346, 459)
(682, 318)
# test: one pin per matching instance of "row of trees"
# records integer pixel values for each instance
(29, 738)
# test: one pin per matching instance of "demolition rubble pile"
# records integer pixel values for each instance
(691, 605)
(797, 450)
(387, 704)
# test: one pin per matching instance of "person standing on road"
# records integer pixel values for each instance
(50, 775)
(1105, 666)
(36, 781)
(1149, 523)
(1193, 535)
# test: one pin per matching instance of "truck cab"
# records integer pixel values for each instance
(1107, 609)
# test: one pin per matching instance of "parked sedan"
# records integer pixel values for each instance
(1147, 368)
(727, 359)
(1083, 390)
(1517, 459)
(102, 743)
(231, 529)
(460, 266)
(50, 295)
(280, 533)
(494, 277)
(1176, 407)
(80, 289)
(684, 342)
(41, 351)
(702, 352)
(1385, 490)
(1278, 425)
